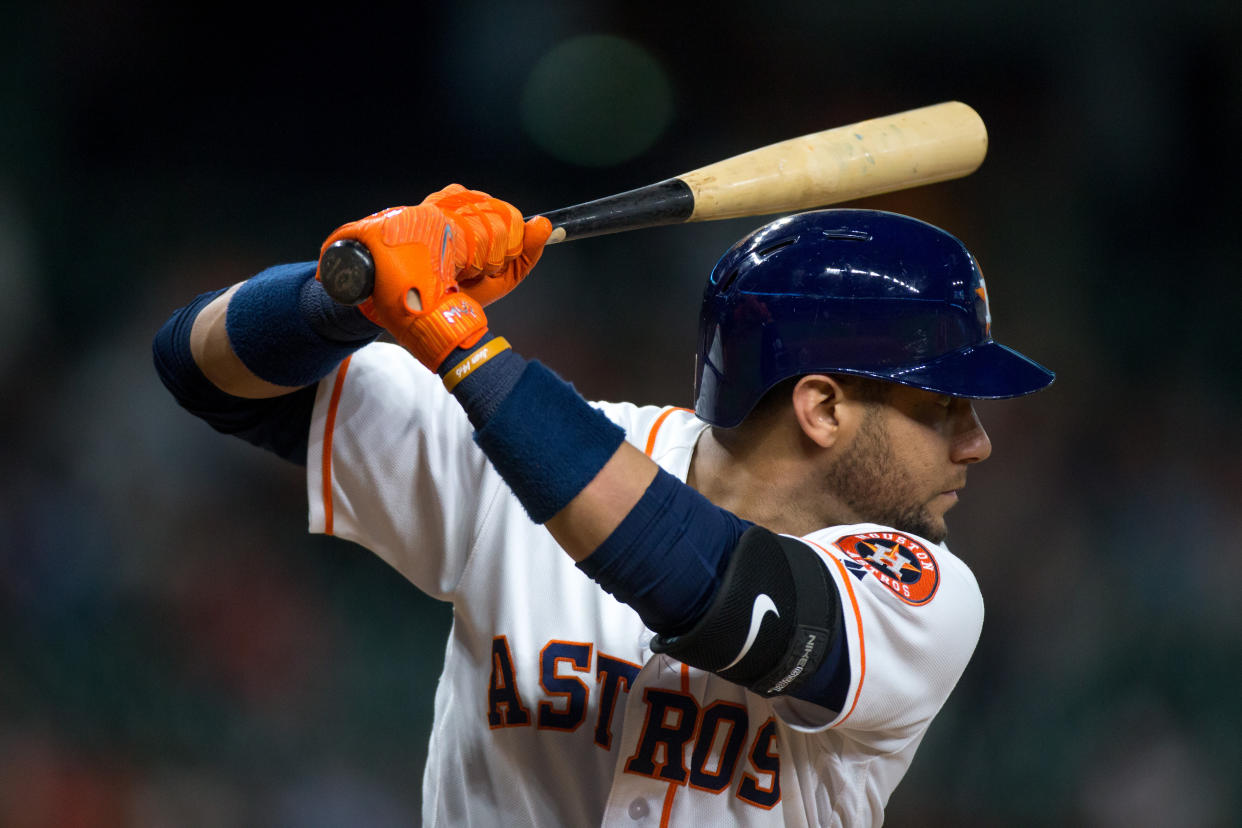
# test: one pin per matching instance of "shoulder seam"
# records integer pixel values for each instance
(657, 425)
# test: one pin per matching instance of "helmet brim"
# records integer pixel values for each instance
(987, 371)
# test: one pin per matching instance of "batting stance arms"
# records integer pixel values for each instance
(799, 652)
(583, 504)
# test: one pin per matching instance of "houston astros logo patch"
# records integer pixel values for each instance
(901, 563)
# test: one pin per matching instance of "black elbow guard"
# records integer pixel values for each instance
(774, 617)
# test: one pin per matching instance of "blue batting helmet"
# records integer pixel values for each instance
(860, 292)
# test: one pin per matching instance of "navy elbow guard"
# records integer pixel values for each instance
(773, 621)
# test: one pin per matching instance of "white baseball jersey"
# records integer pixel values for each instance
(552, 708)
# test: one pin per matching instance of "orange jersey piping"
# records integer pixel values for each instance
(862, 647)
(655, 428)
(328, 427)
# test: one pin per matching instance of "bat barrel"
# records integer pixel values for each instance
(921, 146)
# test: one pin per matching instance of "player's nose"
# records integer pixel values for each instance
(970, 443)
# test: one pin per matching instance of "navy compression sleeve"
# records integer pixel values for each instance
(277, 424)
(667, 557)
(287, 331)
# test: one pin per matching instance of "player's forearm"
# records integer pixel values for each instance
(279, 424)
(596, 512)
(244, 359)
(275, 333)
(214, 354)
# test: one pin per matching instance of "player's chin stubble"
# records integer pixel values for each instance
(868, 479)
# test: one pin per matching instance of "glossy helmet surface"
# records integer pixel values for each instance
(861, 292)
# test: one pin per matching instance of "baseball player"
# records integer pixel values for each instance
(742, 614)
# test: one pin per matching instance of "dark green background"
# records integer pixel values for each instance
(174, 649)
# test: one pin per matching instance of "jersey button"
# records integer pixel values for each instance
(638, 809)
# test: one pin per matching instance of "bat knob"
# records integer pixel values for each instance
(347, 272)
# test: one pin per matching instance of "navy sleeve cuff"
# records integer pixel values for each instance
(288, 331)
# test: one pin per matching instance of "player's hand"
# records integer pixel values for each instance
(500, 248)
(417, 253)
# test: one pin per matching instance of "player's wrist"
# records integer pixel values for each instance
(546, 441)
(279, 332)
(332, 320)
(481, 376)
(463, 362)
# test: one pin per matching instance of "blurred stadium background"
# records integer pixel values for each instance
(175, 650)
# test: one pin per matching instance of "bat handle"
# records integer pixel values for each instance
(348, 271)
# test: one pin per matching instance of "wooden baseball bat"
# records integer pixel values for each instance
(921, 146)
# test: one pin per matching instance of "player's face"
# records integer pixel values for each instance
(907, 461)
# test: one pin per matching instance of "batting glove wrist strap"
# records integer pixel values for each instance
(457, 321)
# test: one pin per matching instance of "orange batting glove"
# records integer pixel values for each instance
(500, 247)
(416, 297)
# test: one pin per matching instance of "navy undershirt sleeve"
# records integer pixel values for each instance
(278, 424)
(287, 331)
(667, 556)
(829, 684)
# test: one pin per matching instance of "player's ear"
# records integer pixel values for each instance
(817, 400)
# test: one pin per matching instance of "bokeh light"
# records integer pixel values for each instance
(597, 100)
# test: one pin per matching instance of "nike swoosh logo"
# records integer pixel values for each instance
(763, 605)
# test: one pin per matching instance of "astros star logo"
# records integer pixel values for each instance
(890, 559)
(899, 562)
